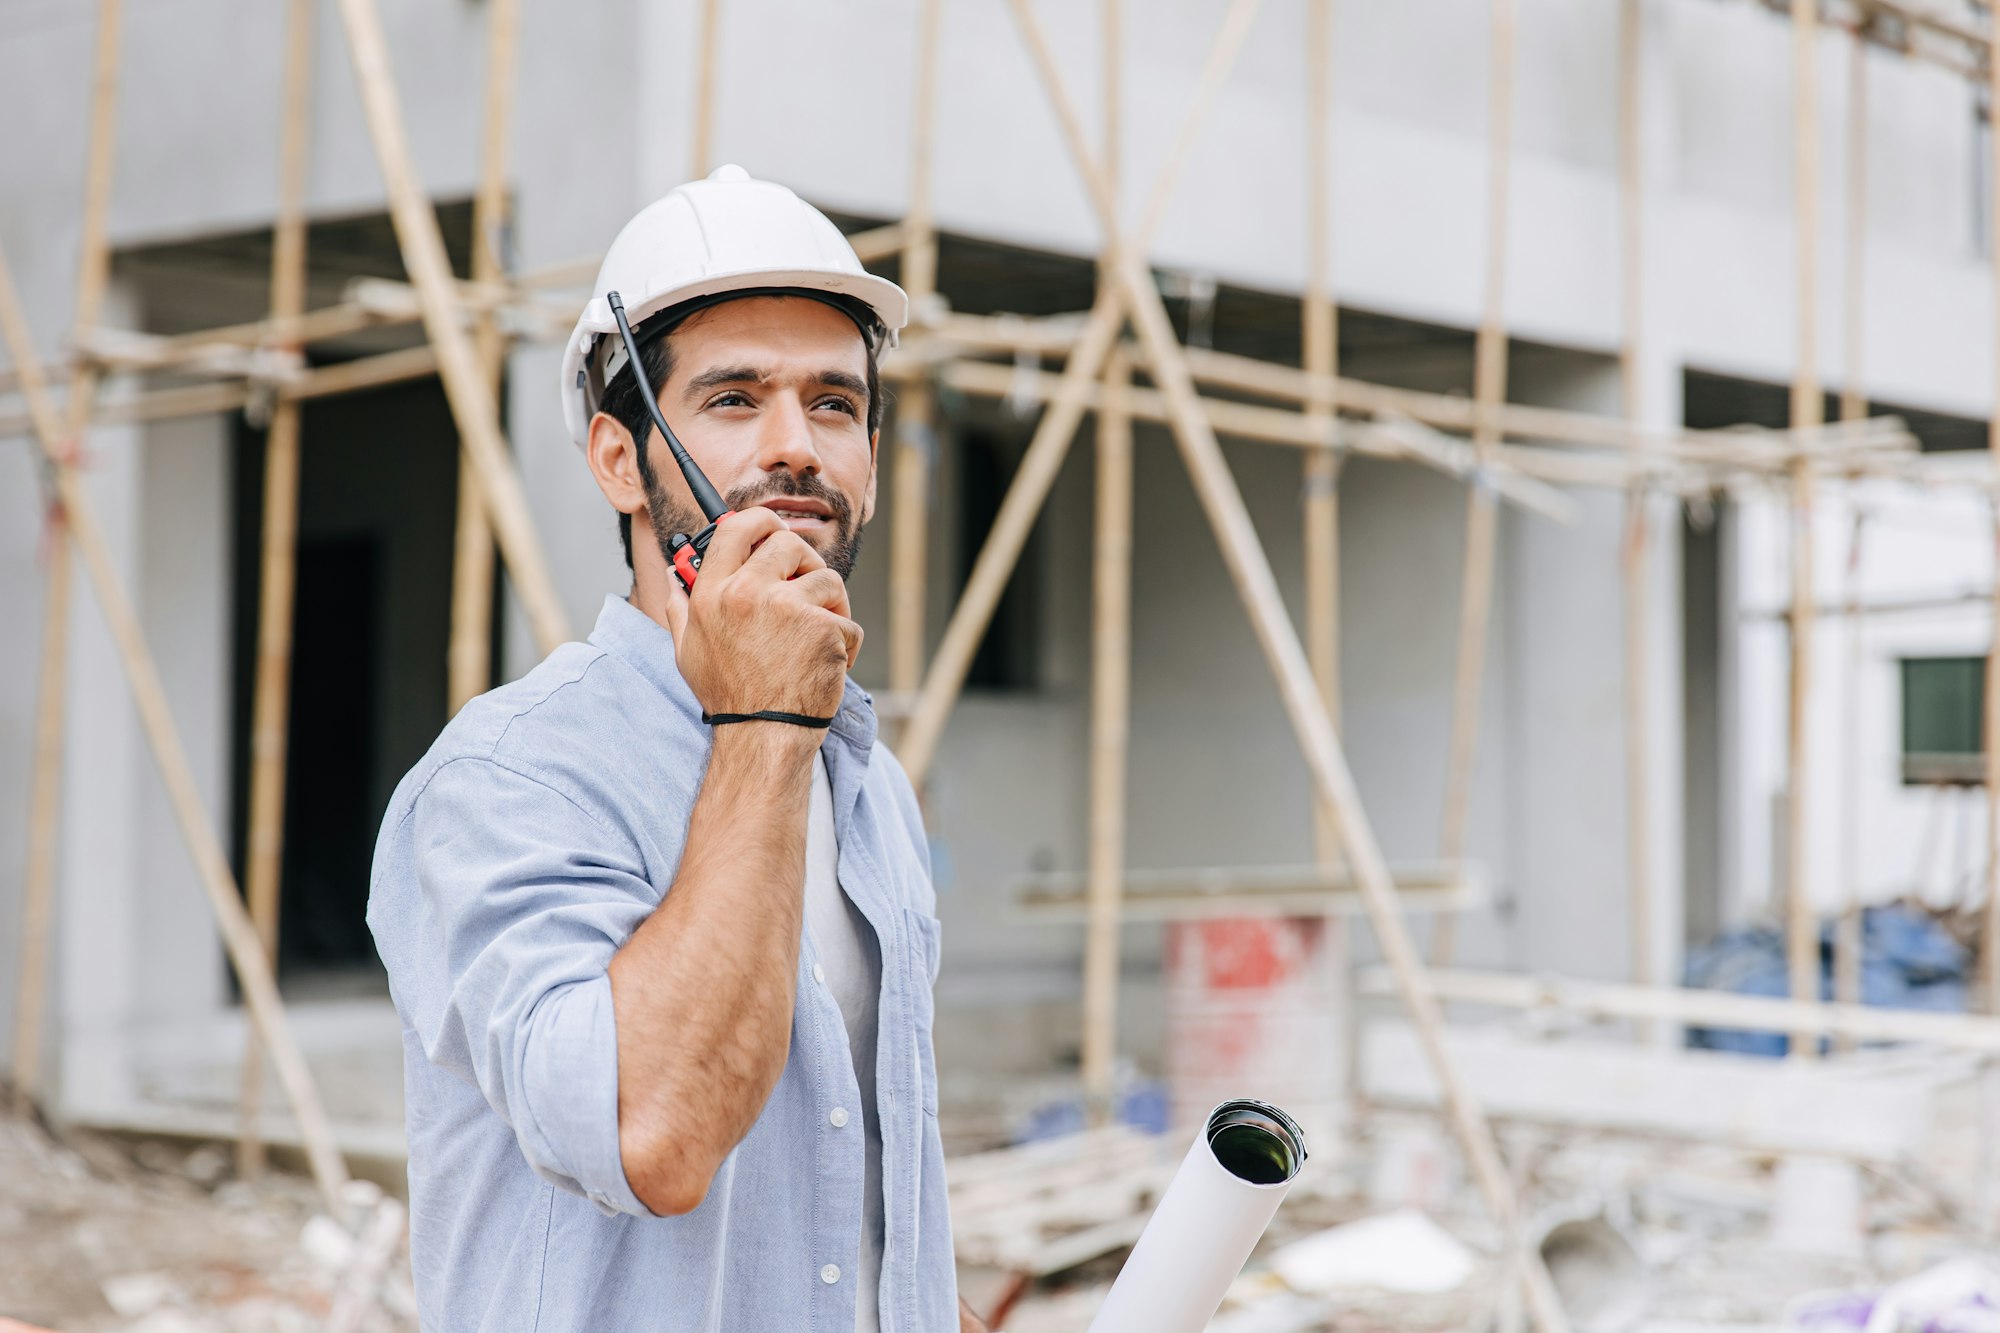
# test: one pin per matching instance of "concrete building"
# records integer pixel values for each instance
(144, 1024)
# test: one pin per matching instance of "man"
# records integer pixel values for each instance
(665, 982)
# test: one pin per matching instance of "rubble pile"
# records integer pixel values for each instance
(102, 1235)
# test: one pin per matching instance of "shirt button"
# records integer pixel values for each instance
(819, 974)
(830, 1274)
(838, 1117)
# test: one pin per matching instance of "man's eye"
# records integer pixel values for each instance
(839, 404)
(732, 398)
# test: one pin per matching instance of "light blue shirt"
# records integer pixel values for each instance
(542, 828)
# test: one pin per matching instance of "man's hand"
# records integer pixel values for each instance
(768, 625)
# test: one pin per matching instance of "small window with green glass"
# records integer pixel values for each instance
(1944, 705)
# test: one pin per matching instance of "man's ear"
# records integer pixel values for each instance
(874, 471)
(614, 462)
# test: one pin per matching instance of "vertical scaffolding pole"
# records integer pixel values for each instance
(1321, 346)
(45, 808)
(1808, 410)
(1853, 407)
(1110, 667)
(1990, 936)
(1638, 535)
(701, 153)
(271, 702)
(916, 408)
(1110, 714)
(469, 661)
(1482, 514)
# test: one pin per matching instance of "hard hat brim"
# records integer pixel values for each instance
(890, 304)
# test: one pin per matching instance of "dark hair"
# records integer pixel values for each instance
(622, 403)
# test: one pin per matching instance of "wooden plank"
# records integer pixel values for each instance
(239, 936)
(1223, 891)
(1705, 1008)
(458, 365)
(1712, 1097)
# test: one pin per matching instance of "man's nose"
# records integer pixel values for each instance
(785, 438)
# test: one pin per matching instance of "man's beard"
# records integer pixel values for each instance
(839, 547)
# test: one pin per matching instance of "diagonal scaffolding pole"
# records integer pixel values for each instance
(1250, 570)
(1044, 456)
(465, 385)
(239, 936)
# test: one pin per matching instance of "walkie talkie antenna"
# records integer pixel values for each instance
(712, 504)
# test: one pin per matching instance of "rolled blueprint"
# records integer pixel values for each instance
(1199, 1237)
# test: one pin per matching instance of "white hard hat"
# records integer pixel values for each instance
(727, 233)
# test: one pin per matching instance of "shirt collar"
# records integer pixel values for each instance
(634, 637)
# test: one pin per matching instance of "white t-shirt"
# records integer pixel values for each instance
(853, 962)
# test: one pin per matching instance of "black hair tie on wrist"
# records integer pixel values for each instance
(766, 715)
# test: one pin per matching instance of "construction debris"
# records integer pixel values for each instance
(103, 1235)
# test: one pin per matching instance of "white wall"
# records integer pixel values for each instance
(1869, 833)
(818, 95)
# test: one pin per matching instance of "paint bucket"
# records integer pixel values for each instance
(1252, 1008)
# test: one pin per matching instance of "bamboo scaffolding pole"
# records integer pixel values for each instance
(1638, 534)
(270, 707)
(1808, 409)
(1747, 447)
(1990, 937)
(1482, 513)
(1110, 736)
(1110, 661)
(45, 799)
(239, 936)
(1512, 473)
(469, 660)
(1720, 1009)
(917, 745)
(707, 38)
(916, 409)
(1847, 942)
(1250, 571)
(1847, 939)
(458, 365)
(1320, 344)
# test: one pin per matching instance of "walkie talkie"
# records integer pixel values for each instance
(684, 551)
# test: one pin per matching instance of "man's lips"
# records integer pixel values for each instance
(798, 513)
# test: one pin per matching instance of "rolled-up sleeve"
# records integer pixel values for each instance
(525, 896)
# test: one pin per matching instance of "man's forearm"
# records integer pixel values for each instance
(703, 991)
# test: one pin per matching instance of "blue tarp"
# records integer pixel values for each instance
(1908, 961)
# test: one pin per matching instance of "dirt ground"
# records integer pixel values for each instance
(100, 1234)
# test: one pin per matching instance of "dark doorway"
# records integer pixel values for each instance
(378, 496)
